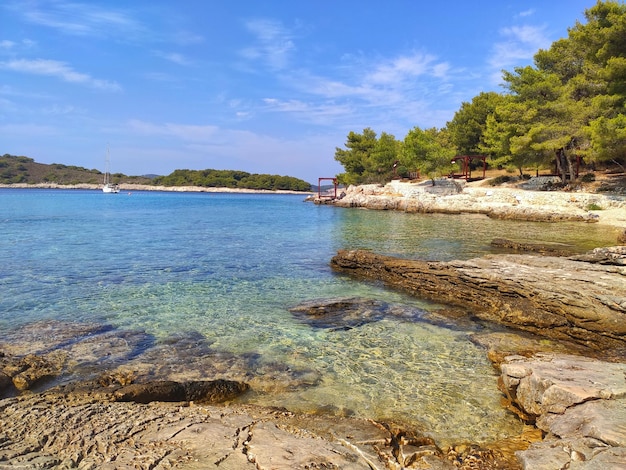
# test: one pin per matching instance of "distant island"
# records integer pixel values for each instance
(24, 170)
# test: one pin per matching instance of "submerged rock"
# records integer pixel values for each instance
(552, 249)
(346, 313)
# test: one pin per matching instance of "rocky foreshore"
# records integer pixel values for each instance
(574, 407)
(447, 196)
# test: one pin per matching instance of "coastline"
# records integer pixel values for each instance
(516, 203)
(164, 434)
(146, 187)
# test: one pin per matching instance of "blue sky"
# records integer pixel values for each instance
(253, 85)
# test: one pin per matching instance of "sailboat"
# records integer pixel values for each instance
(109, 187)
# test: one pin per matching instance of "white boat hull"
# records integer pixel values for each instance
(111, 189)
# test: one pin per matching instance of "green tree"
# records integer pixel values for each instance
(469, 123)
(380, 164)
(425, 150)
(354, 158)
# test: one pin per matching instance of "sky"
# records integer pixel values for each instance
(263, 86)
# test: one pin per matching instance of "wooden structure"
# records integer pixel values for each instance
(466, 169)
(333, 195)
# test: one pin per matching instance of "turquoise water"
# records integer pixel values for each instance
(209, 279)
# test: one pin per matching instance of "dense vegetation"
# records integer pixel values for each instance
(232, 179)
(19, 169)
(571, 104)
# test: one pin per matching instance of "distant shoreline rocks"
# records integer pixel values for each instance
(147, 187)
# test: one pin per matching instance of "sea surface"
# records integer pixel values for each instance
(212, 277)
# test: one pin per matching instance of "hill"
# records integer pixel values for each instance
(15, 169)
(24, 170)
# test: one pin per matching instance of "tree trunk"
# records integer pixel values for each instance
(559, 166)
(570, 167)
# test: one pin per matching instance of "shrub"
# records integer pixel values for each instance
(498, 180)
(588, 178)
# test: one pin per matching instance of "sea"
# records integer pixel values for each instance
(209, 283)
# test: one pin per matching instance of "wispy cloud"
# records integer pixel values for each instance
(525, 13)
(318, 113)
(7, 45)
(175, 58)
(77, 18)
(59, 70)
(519, 44)
(186, 38)
(374, 90)
(406, 67)
(28, 130)
(193, 133)
(274, 43)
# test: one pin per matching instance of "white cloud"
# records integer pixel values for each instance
(175, 58)
(185, 132)
(6, 44)
(59, 70)
(399, 69)
(525, 13)
(319, 113)
(518, 46)
(274, 43)
(77, 18)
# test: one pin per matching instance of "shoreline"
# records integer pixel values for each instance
(147, 187)
(515, 203)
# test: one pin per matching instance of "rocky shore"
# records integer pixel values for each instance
(524, 202)
(561, 359)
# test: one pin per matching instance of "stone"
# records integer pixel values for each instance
(552, 249)
(207, 391)
(602, 420)
(555, 297)
(552, 383)
(32, 370)
(579, 402)
(346, 313)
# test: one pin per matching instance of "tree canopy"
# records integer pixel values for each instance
(570, 103)
(232, 179)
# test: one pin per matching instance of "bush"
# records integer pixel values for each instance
(593, 207)
(498, 180)
(588, 178)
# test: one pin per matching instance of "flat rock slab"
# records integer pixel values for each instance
(561, 298)
(580, 403)
(551, 384)
(53, 430)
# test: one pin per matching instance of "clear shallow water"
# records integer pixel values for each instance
(227, 268)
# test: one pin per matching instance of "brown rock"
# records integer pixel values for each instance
(209, 391)
(31, 370)
(556, 297)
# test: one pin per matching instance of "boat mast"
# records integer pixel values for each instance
(106, 167)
